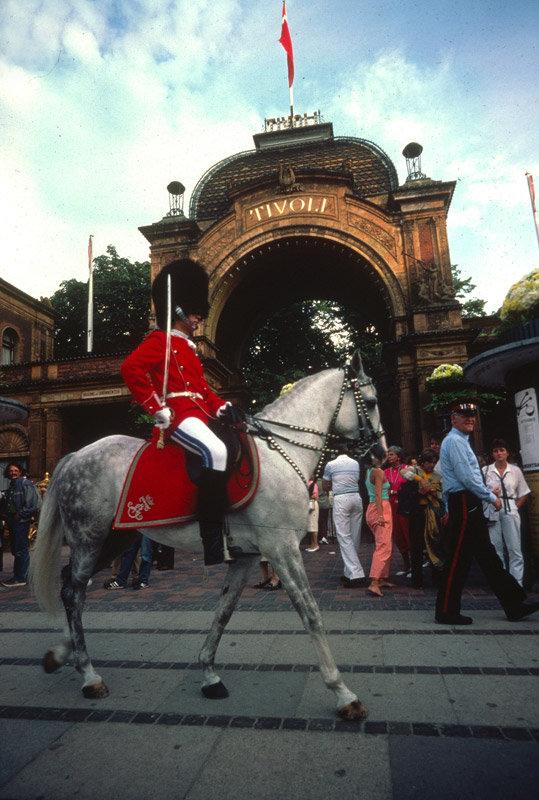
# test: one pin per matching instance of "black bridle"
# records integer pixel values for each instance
(331, 440)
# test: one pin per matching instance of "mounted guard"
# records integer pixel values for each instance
(165, 376)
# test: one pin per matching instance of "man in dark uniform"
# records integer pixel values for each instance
(189, 402)
(466, 534)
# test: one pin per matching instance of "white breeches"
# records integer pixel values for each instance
(506, 531)
(195, 436)
(347, 513)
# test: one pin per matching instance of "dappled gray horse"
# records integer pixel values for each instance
(295, 434)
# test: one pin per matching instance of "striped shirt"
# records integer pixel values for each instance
(343, 472)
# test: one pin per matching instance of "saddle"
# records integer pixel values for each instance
(160, 489)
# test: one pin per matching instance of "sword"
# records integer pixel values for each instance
(161, 440)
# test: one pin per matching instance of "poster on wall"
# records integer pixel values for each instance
(528, 427)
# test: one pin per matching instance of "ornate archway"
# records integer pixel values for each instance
(311, 216)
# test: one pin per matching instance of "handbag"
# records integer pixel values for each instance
(408, 498)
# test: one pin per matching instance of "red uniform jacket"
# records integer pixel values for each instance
(143, 372)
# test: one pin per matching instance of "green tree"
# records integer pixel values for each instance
(121, 307)
(304, 338)
(471, 306)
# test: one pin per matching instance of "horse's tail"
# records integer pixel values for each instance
(44, 572)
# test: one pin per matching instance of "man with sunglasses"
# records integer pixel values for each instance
(466, 534)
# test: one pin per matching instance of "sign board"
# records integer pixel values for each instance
(528, 428)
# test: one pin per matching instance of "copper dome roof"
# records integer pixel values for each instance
(371, 170)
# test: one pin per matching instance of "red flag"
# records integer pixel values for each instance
(286, 41)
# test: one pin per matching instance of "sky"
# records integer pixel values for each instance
(104, 102)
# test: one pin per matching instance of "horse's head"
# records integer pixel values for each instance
(359, 416)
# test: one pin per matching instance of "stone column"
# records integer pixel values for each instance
(36, 436)
(53, 445)
(406, 408)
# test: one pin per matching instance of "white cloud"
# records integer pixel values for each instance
(103, 103)
(392, 101)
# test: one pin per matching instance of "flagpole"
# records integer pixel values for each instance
(286, 41)
(90, 316)
(531, 189)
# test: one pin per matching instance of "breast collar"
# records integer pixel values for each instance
(189, 341)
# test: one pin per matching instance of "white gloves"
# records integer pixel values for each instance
(222, 410)
(162, 418)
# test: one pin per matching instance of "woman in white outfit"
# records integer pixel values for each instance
(508, 483)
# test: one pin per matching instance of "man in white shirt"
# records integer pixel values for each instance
(508, 483)
(342, 476)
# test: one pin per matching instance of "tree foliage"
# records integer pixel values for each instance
(470, 306)
(304, 338)
(121, 307)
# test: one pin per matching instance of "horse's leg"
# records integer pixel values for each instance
(73, 596)
(57, 656)
(288, 564)
(236, 578)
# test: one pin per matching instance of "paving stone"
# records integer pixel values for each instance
(429, 767)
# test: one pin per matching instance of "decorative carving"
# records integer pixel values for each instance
(371, 229)
(429, 285)
(439, 319)
(13, 442)
(287, 179)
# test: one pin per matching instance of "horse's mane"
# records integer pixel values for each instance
(297, 393)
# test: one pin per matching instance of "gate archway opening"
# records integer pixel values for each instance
(293, 269)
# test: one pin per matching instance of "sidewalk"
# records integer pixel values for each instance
(452, 712)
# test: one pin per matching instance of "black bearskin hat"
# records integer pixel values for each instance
(189, 285)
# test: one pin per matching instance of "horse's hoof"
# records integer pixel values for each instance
(354, 711)
(215, 691)
(95, 691)
(50, 663)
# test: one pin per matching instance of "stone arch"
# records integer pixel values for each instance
(257, 280)
(227, 276)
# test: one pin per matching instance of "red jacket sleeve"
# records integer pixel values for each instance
(213, 401)
(136, 369)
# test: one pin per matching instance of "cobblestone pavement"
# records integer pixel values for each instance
(453, 712)
(191, 586)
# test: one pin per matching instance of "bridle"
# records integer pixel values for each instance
(367, 438)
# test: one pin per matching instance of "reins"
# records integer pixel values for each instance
(367, 438)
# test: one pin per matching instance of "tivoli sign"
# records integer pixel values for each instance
(289, 206)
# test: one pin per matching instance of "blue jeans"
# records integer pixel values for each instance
(146, 555)
(19, 547)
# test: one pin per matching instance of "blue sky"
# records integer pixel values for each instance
(103, 102)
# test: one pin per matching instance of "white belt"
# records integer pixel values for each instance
(192, 395)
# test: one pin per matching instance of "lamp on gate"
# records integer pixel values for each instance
(176, 192)
(412, 154)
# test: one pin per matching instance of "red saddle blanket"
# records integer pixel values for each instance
(158, 491)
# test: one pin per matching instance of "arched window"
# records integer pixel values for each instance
(10, 346)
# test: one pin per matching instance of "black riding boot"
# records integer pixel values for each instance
(212, 504)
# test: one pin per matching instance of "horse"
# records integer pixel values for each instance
(296, 435)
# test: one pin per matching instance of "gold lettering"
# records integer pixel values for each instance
(280, 210)
(310, 204)
(268, 209)
(302, 206)
(257, 212)
(323, 205)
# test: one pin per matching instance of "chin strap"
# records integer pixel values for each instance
(180, 313)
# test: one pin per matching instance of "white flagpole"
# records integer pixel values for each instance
(90, 318)
(531, 189)
(291, 89)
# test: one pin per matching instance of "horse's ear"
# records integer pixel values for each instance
(355, 367)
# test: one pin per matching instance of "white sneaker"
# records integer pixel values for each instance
(323, 540)
(311, 549)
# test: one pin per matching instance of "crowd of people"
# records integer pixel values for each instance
(440, 511)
